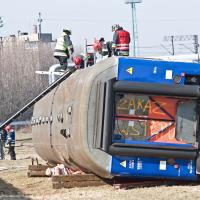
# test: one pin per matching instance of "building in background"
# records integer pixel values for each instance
(31, 40)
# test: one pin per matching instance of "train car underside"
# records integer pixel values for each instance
(102, 123)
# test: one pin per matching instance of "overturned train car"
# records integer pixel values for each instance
(124, 117)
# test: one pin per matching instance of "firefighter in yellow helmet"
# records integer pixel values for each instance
(64, 48)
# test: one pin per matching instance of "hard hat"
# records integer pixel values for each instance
(8, 128)
(68, 31)
(115, 27)
(102, 40)
(77, 60)
(97, 46)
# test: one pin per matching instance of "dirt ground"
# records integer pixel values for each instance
(14, 183)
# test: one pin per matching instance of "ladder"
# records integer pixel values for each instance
(40, 96)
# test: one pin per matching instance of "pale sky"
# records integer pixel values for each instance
(93, 19)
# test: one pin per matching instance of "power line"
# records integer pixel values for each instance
(84, 20)
(122, 20)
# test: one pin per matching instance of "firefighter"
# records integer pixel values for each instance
(104, 49)
(97, 46)
(89, 59)
(109, 47)
(10, 142)
(79, 61)
(121, 40)
(64, 48)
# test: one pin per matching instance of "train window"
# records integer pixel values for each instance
(153, 119)
(186, 121)
(129, 123)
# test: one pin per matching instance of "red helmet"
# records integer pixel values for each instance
(97, 46)
(77, 60)
(8, 128)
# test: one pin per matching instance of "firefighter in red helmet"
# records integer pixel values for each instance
(79, 61)
(102, 47)
(10, 141)
(121, 40)
(97, 45)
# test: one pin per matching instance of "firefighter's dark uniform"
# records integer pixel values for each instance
(63, 49)
(121, 40)
(106, 49)
(10, 140)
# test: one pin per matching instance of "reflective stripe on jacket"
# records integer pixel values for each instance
(63, 45)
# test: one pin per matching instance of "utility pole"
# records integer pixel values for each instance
(196, 45)
(1, 22)
(183, 38)
(40, 25)
(172, 42)
(134, 23)
(1, 39)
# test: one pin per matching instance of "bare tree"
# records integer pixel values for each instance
(19, 83)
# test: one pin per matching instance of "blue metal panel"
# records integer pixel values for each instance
(140, 167)
(157, 144)
(154, 71)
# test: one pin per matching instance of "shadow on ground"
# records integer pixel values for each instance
(8, 192)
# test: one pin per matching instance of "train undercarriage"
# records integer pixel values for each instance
(125, 117)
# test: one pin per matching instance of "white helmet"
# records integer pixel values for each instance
(115, 27)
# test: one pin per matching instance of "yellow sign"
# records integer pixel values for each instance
(123, 163)
(130, 70)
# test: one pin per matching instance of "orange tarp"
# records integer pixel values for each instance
(162, 131)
